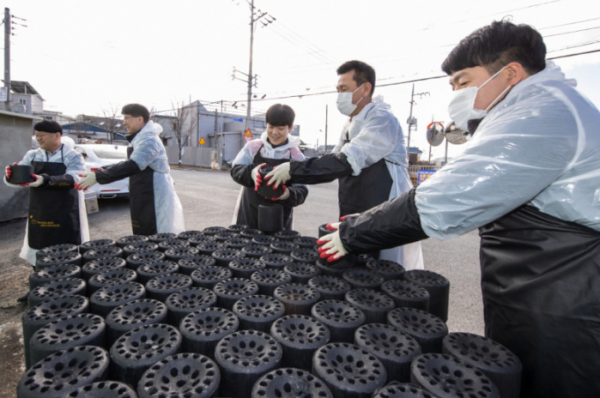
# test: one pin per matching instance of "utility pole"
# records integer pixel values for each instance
(326, 111)
(255, 16)
(7, 33)
(250, 66)
(412, 121)
(8, 28)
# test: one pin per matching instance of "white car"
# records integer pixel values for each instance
(97, 156)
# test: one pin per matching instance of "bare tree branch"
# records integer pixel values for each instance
(184, 124)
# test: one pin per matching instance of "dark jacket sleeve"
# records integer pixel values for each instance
(298, 195)
(117, 172)
(325, 168)
(242, 174)
(64, 181)
(393, 223)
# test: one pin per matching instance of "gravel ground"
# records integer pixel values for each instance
(208, 199)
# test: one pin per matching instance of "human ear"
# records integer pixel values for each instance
(515, 73)
(368, 88)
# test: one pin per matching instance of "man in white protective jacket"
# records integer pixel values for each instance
(529, 179)
(369, 161)
(154, 205)
(274, 147)
(57, 213)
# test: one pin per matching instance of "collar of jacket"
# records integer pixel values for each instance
(552, 72)
(363, 113)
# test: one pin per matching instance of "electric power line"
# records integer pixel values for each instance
(568, 23)
(413, 80)
(573, 31)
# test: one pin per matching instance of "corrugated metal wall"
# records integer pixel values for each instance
(192, 156)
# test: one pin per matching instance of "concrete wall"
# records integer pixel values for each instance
(15, 141)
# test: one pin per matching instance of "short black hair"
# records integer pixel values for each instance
(363, 73)
(280, 115)
(495, 46)
(48, 126)
(136, 110)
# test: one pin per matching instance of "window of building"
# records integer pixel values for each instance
(48, 117)
(23, 101)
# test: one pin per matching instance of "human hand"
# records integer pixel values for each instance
(255, 174)
(39, 180)
(8, 171)
(86, 181)
(284, 195)
(331, 246)
(279, 175)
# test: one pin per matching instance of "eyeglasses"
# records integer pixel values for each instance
(41, 136)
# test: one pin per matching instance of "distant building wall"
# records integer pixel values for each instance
(15, 141)
(192, 156)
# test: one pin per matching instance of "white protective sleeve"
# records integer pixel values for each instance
(377, 138)
(149, 150)
(522, 146)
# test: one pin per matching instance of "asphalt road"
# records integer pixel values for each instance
(209, 198)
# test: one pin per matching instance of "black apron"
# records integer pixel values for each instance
(362, 192)
(141, 200)
(53, 213)
(248, 212)
(541, 295)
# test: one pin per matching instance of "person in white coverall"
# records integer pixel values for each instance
(369, 161)
(154, 205)
(57, 213)
(529, 180)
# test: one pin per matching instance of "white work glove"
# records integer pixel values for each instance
(39, 180)
(279, 175)
(332, 248)
(256, 176)
(86, 181)
(284, 195)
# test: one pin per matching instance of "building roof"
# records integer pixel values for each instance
(75, 127)
(21, 115)
(22, 87)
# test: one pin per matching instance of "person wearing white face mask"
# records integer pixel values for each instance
(529, 181)
(370, 159)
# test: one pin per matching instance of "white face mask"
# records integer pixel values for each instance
(462, 107)
(344, 102)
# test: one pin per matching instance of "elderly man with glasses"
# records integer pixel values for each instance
(56, 209)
